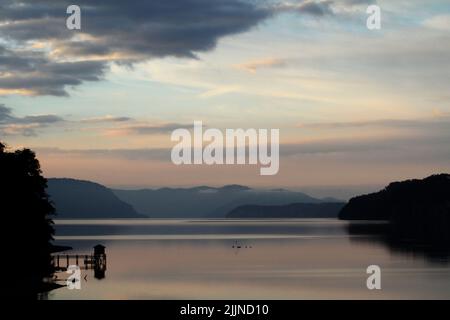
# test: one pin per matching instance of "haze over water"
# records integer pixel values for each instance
(277, 259)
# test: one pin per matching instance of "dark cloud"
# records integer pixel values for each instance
(30, 125)
(118, 31)
(5, 113)
(35, 74)
(44, 119)
(359, 2)
(6, 117)
(177, 27)
(149, 129)
(106, 119)
(133, 31)
(316, 8)
(26, 126)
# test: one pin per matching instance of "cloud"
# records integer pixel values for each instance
(180, 28)
(29, 125)
(338, 146)
(5, 114)
(27, 130)
(426, 139)
(383, 148)
(218, 91)
(107, 118)
(6, 117)
(252, 66)
(43, 57)
(33, 73)
(25, 126)
(439, 22)
(145, 154)
(111, 31)
(146, 129)
(437, 113)
(439, 120)
(313, 8)
(40, 119)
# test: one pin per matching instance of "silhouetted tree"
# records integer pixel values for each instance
(418, 210)
(26, 224)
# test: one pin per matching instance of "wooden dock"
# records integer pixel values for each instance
(95, 261)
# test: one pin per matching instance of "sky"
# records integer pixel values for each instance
(354, 106)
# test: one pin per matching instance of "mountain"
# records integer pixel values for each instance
(418, 210)
(264, 198)
(84, 199)
(204, 201)
(294, 210)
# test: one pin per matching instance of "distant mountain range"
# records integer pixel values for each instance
(204, 201)
(294, 210)
(417, 210)
(84, 199)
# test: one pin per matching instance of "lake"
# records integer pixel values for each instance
(247, 259)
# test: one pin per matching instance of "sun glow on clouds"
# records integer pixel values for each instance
(20, 92)
(312, 63)
(252, 66)
(439, 22)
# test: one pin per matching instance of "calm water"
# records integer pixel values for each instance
(277, 259)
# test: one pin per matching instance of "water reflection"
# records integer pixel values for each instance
(293, 259)
(384, 234)
(95, 261)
